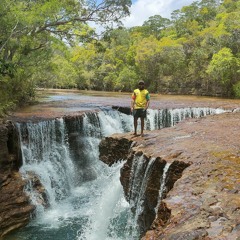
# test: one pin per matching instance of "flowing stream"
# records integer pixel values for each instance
(84, 196)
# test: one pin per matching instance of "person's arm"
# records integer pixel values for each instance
(133, 101)
(147, 104)
(132, 104)
(148, 101)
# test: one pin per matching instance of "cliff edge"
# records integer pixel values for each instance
(202, 196)
(15, 207)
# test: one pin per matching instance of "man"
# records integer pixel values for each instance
(139, 105)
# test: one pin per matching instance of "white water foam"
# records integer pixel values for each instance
(140, 172)
(45, 154)
(94, 210)
(162, 185)
(81, 206)
(157, 119)
(106, 208)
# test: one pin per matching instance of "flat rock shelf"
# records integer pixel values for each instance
(204, 202)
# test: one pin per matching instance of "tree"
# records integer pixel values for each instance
(225, 69)
(155, 24)
(126, 80)
(29, 28)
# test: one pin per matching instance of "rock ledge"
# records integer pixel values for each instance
(204, 199)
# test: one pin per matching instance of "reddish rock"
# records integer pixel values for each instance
(15, 207)
(203, 192)
(112, 150)
(4, 155)
(36, 184)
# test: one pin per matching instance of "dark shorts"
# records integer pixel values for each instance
(139, 113)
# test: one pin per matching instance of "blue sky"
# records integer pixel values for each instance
(141, 10)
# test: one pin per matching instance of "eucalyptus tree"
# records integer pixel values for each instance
(155, 24)
(225, 69)
(115, 71)
(148, 61)
(184, 18)
(195, 16)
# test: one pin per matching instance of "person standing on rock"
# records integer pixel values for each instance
(139, 105)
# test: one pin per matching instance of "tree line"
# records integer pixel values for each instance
(50, 44)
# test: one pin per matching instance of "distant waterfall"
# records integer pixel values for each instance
(84, 195)
(162, 118)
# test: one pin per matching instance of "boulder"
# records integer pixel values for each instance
(15, 208)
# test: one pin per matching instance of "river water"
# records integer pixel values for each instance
(79, 208)
(85, 197)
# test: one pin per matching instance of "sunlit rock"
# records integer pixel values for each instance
(201, 195)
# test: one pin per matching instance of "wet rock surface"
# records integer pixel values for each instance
(203, 199)
(64, 103)
(203, 203)
(119, 150)
(15, 207)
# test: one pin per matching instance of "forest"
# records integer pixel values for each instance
(51, 44)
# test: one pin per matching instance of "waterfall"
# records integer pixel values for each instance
(162, 185)
(45, 154)
(84, 195)
(104, 220)
(140, 172)
(157, 119)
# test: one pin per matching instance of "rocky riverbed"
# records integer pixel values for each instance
(203, 198)
(60, 103)
(204, 202)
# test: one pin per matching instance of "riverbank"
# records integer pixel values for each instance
(189, 141)
(58, 103)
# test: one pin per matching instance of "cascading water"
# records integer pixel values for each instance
(108, 211)
(162, 185)
(162, 118)
(140, 172)
(84, 195)
(45, 154)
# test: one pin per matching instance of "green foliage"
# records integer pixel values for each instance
(50, 44)
(154, 25)
(177, 56)
(224, 68)
(36, 39)
(221, 64)
(236, 89)
(126, 80)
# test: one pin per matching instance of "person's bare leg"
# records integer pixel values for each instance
(142, 126)
(135, 125)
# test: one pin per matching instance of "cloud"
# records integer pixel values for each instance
(141, 10)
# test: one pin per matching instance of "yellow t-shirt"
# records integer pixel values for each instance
(140, 98)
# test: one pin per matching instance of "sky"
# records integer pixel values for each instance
(141, 10)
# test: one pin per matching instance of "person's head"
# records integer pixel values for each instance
(141, 84)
